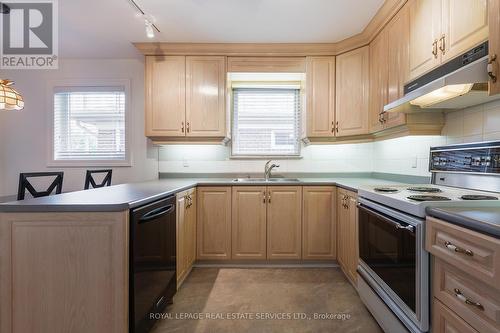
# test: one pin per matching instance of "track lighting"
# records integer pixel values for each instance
(149, 29)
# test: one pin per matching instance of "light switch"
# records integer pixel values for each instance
(414, 162)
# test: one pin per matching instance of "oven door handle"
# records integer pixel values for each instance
(156, 213)
(395, 223)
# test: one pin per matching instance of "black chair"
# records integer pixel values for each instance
(89, 179)
(24, 184)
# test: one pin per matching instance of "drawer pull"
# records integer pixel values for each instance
(464, 299)
(457, 249)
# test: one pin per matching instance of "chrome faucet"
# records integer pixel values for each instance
(268, 168)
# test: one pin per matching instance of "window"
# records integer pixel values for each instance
(266, 121)
(89, 125)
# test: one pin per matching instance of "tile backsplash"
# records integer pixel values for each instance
(406, 155)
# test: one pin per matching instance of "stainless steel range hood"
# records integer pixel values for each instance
(459, 83)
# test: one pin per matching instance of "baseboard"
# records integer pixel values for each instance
(266, 264)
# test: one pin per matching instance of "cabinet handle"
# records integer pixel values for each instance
(182, 127)
(435, 48)
(337, 126)
(333, 127)
(490, 69)
(263, 196)
(187, 127)
(269, 197)
(442, 43)
(464, 299)
(452, 247)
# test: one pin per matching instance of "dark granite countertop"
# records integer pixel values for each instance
(126, 196)
(482, 219)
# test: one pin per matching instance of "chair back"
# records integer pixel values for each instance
(89, 178)
(24, 184)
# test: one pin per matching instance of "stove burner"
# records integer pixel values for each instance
(424, 189)
(478, 197)
(428, 198)
(386, 189)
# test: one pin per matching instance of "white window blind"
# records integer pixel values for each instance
(266, 122)
(89, 124)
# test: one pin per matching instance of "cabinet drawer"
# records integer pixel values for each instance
(466, 249)
(445, 321)
(474, 301)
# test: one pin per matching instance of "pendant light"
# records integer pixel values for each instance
(9, 98)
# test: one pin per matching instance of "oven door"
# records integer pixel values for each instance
(391, 251)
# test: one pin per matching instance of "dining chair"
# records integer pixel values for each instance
(89, 178)
(26, 185)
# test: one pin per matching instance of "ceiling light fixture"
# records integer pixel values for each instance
(9, 98)
(149, 29)
(148, 20)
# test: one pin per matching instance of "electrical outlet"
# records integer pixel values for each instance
(414, 162)
(185, 163)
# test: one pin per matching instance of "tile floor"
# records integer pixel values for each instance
(256, 293)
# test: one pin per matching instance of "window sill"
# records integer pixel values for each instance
(265, 157)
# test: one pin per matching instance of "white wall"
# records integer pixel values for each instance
(23, 134)
(406, 155)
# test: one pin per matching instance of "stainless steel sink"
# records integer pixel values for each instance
(263, 180)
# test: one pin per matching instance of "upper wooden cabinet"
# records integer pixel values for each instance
(185, 96)
(442, 29)
(205, 91)
(284, 222)
(494, 46)
(320, 86)
(165, 95)
(351, 98)
(214, 222)
(378, 80)
(319, 222)
(249, 222)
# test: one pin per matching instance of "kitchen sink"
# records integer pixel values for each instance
(261, 180)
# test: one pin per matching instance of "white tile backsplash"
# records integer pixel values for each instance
(478, 123)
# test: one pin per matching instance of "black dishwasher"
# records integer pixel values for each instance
(153, 280)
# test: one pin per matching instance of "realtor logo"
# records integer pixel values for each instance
(29, 34)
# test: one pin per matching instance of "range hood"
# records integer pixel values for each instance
(457, 84)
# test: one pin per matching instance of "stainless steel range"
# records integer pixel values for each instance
(394, 266)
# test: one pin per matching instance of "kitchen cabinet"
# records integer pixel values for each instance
(378, 80)
(319, 221)
(186, 233)
(249, 222)
(165, 96)
(213, 225)
(56, 265)
(185, 97)
(351, 97)
(205, 91)
(442, 30)
(347, 230)
(284, 222)
(494, 47)
(398, 36)
(320, 96)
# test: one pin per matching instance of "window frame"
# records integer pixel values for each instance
(87, 83)
(265, 156)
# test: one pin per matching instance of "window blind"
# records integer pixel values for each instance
(89, 124)
(266, 122)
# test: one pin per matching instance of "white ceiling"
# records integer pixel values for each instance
(106, 28)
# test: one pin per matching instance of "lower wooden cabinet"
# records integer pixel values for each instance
(446, 321)
(284, 222)
(214, 222)
(347, 231)
(249, 222)
(186, 233)
(319, 222)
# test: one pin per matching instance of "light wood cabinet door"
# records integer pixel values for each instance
(352, 81)
(165, 96)
(319, 221)
(181, 261)
(347, 228)
(494, 45)
(205, 91)
(445, 320)
(342, 219)
(190, 217)
(249, 222)
(320, 96)
(398, 35)
(464, 25)
(214, 223)
(425, 31)
(353, 258)
(284, 222)
(378, 80)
